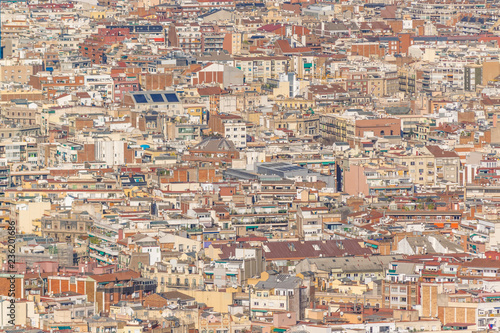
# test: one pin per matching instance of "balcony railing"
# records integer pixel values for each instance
(102, 258)
(114, 251)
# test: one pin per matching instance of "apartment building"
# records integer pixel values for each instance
(444, 76)
(187, 36)
(310, 222)
(20, 114)
(447, 165)
(100, 86)
(65, 227)
(261, 68)
(232, 127)
(16, 73)
(274, 292)
(397, 295)
(300, 124)
(420, 163)
(175, 275)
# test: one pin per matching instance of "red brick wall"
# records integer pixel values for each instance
(380, 127)
(87, 154)
(160, 81)
(5, 286)
(367, 50)
(209, 77)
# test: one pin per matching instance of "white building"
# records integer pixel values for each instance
(110, 152)
(236, 131)
(100, 86)
(154, 253)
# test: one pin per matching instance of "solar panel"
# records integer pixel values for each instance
(158, 98)
(140, 99)
(171, 98)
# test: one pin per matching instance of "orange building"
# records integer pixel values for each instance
(12, 285)
(368, 49)
(105, 289)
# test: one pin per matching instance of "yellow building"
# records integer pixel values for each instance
(194, 111)
(218, 300)
(171, 278)
(130, 328)
(420, 166)
(98, 14)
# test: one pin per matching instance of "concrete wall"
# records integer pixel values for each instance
(355, 181)
(34, 211)
(216, 299)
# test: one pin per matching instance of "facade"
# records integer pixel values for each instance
(261, 68)
(231, 127)
(221, 166)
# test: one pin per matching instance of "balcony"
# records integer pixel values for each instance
(102, 258)
(102, 236)
(112, 250)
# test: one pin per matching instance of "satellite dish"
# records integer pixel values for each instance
(341, 313)
(173, 262)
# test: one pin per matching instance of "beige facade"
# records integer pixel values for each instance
(420, 167)
(16, 73)
(171, 278)
(261, 68)
(20, 115)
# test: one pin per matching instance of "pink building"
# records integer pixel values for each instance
(355, 181)
(124, 84)
(45, 266)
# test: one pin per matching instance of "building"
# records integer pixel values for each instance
(231, 127)
(261, 68)
(215, 73)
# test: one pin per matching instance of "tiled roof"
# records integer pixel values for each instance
(312, 249)
(118, 276)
